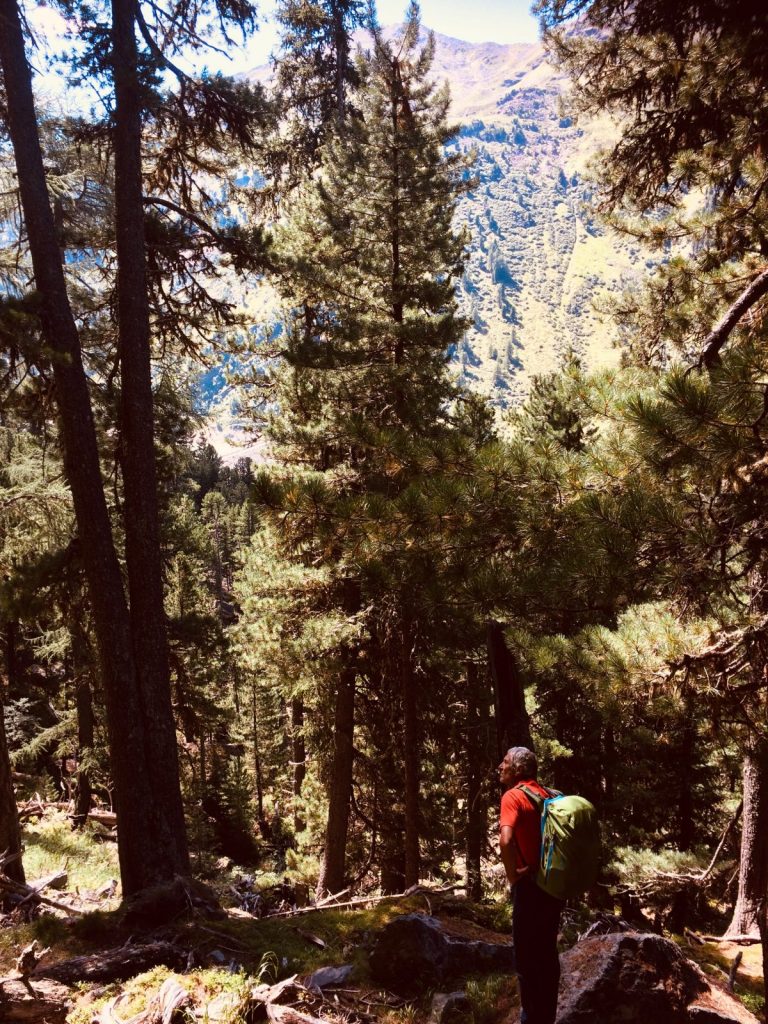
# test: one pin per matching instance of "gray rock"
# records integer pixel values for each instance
(451, 1008)
(325, 976)
(415, 952)
(634, 978)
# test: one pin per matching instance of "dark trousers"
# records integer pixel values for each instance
(535, 923)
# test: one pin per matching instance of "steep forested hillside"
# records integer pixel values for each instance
(542, 266)
(235, 695)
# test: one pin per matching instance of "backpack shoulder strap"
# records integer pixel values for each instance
(535, 798)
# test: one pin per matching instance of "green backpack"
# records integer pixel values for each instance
(570, 843)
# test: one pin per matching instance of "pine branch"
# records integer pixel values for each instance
(718, 336)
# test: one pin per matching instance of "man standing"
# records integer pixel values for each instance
(536, 915)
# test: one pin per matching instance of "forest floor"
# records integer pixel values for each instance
(230, 953)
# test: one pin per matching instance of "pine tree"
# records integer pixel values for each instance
(370, 263)
(315, 75)
(689, 80)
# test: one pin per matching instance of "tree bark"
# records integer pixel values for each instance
(299, 757)
(411, 760)
(82, 662)
(116, 964)
(753, 858)
(333, 868)
(477, 750)
(38, 1002)
(512, 725)
(10, 830)
(85, 724)
(140, 801)
(753, 863)
(142, 534)
(257, 772)
(685, 765)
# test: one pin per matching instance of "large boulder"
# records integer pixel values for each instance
(414, 952)
(637, 978)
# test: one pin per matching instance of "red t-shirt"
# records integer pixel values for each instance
(523, 818)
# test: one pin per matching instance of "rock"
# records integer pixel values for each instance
(451, 1008)
(636, 977)
(39, 1001)
(325, 976)
(416, 951)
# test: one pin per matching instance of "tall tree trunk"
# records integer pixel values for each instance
(10, 651)
(332, 870)
(753, 863)
(341, 46)
(299, 758)
(685, 766)
(10, 831)
(411, 759)
(477, 760)
(753, 860)
(85, 722)
(512, 725)
(82, 665)
(142, 859)
(257, 772)
(142, 535)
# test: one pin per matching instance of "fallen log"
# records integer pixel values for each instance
(34, 1002)
(115, 964)
(37, 808)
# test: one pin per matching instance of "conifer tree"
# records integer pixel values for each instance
(174, 243)
(315, 74)
(690, 165)
(370, 263)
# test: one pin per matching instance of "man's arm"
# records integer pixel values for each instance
(509, 855)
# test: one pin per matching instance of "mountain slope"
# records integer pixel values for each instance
(538, 263)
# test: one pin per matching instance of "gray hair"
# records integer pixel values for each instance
(523, 762)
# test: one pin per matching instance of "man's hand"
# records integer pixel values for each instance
(509, 856)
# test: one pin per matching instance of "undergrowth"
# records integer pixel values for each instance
(51, 844)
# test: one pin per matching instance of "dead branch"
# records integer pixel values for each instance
(367, 900)
(737, 940)
(727, 831)
(27, 891)
(725, 645)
